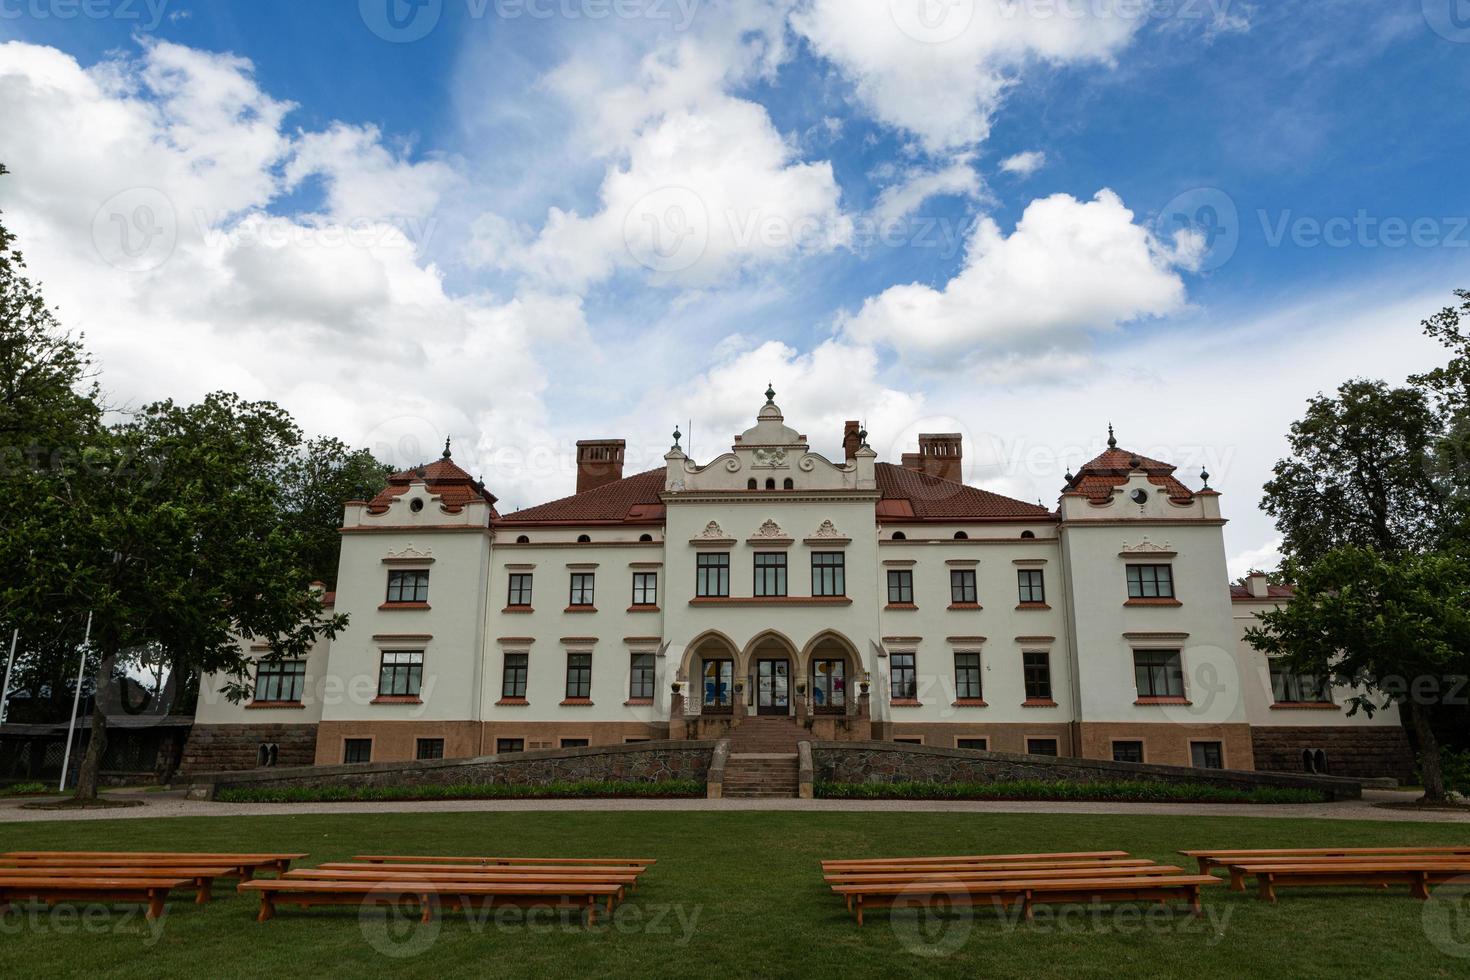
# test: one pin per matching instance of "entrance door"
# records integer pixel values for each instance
(773, 687)
(829, 687)
(718, 691)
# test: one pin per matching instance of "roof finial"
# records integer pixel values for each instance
(770, 394)
(1204, 476)
(863, 434)
(446, 447)
(677, 436)
(1112, 440)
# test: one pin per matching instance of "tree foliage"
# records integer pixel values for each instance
(1396, 627)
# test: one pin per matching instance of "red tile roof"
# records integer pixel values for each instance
(444, 479)
(1097, 479)
(1242, 593)
(912, 496)
(631, 500)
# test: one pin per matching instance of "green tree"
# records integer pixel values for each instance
(1360, 473)
(317, 480)
(1449, 387)
(1396, 627)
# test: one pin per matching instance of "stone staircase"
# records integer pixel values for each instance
(763, 759)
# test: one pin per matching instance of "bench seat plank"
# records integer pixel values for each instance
(1031, 892)
(200, 879)
(1216, 857)
(980, 858)
(1347, 872)
(428, 895)
(471, 859)
(991, 866)
(902, 876)
(236, 868)
(625, 881)
(152, 892)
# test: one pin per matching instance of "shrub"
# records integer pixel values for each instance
(25, 789)
(1122, 791)
(459, 791)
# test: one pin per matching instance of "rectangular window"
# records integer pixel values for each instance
(901, 586)
(1031, 584)
(1041, 746)
(408, 586)
(429, 748)
(401, 673)
(962, 586)
(1298, 688)
(357, 750)
(901, 673)
(1127, 751)
(581, 589)
(1150, 582)
(967, 676)
(1207, 755)
(1036, 665)
(575, 743)
(520, 590)
(579, 675)
(281, 681)
(712, 574)
(829, 573)
(645, 588)
(1158, 673)
(513, 676)
(770, 573)
(503, 745)
(640, 688)
(978, 744)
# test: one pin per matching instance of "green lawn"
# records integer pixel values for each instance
(740, 894)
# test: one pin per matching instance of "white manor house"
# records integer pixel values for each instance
(851, 599)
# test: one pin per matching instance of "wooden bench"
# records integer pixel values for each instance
(1030, 892)
(1351, 871)
(429, 895)
(240, 865)
(452, 859)
(626, 875)
(880, 867)
(983, 858)
(1243, 868)
(200, 879)
(624, 881)
(51, 889)
(892, 877)
(1216, 858)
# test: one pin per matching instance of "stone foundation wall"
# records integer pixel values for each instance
(883, 762)
(218, 748)
(648, 762)
(1356, 751)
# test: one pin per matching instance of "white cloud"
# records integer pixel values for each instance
(1024, 164)
(151, 234)
(940, 70)
(917, 185)
(1069, 268)
(1266, 558)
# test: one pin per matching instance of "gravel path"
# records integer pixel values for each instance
(172, 804)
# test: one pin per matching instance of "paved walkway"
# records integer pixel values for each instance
(172, 804)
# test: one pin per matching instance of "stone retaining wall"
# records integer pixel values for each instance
(885, 762)
(643, 762)
(215, 748)
(1362, 752)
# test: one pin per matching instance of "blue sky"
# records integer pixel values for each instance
(1019, 219)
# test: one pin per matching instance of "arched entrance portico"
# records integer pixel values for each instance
(710, 664)
(770, 661)
(830, 672)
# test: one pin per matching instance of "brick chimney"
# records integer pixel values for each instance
(850, 440)
(940, 454)
(599, 462)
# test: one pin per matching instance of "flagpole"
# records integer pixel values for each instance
(9, 663)
(76, 703)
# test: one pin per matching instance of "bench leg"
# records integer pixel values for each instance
(1237, 880)
(267, 908)
(1419, 887)
(1194, 904)
(426, 909)
(1204, 865)
(1265, 893)
(1026, 907)
(860, 909)
(202, 893)
(155, 903)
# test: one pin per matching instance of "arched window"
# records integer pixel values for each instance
(961, 536)
(751, 484)
(771, 483)
(274, 752)
(790, 484)
(583, 539)
(1028, 534)
(645, 537)
(900, 536)
(523, 540)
